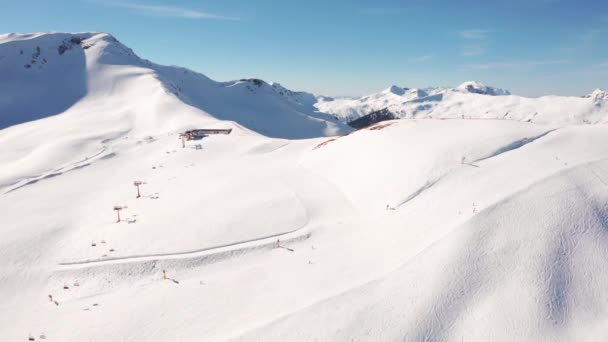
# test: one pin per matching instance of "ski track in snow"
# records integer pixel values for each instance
(198, 256)
(416, 193)
(507, 148)
(105, 153)
(514, 146)
(215, 253)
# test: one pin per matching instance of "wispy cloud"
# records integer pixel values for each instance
(382, 10)
(589, 36)
(602, 65)
(474, 50)
(166, 11)
(474, 34)
(581, 40)
(517, 65)
(424, 58)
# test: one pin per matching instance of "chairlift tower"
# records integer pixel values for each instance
(137, 184)
(118, 208)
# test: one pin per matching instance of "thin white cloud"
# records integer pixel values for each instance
(382, 11)
(516, 65)
(602, 65)
(167, 11)
(475, 49)
(589, 36)
(469, 51)
(424, 58)
(474, 34)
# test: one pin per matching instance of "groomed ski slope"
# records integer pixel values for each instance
(513, 244)
(409, 230)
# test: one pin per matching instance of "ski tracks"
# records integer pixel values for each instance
(517, 144)
(104, 153)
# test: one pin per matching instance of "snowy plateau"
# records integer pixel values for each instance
(454, 214)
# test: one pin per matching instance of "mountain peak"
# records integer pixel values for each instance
(599, 95)
(476, 87)
(395, 90)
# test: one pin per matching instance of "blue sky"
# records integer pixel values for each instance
(532, 47)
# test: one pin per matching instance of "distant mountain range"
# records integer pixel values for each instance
(470, 100)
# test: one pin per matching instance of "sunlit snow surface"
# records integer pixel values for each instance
(414, 230)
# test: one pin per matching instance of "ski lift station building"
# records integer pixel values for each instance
(196, 134)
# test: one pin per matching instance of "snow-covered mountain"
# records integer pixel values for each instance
(471, 100)
(48, 74)
(407, 230)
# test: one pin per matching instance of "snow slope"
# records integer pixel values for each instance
(471, 100)
(510, 242)
(411, 230)
(509, 247)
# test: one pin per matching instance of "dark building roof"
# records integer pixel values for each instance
(203, 132)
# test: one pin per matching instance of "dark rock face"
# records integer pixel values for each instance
(257, 82)
(68, 44)
(373, 118)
